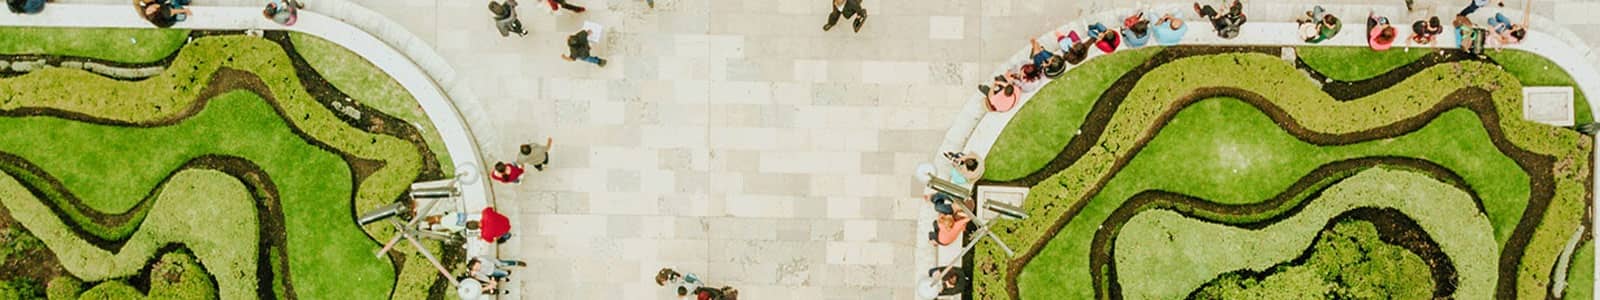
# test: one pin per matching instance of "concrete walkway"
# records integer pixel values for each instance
(735, 139)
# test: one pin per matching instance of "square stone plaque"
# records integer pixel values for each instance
(1003, 194)
(1548, 104)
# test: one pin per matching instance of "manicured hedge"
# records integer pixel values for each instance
(207, 211)
(1161, 254)
(370, 86)
(1349, 261)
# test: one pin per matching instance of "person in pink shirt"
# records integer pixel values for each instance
(1380, 35)
(1002, 95)
(948, 228)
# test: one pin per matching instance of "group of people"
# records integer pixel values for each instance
(689, 286)
(954, 219)
(1137, 30)
(505, 19)
(484, 276)
(166, 13)
(533, 155)
(1316, 25)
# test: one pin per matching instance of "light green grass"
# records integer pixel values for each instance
(1161, 254)
(1356, 63)
(370, 86)
(1535, 70)
(313, 186)
(1227, 151)
(114, 44)
(1580, 275)
(1303, 101)
(1348, 261)
(1042, 128)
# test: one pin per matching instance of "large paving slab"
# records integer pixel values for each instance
(734, 138)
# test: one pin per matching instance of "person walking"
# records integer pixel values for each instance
(535, 154)
(848, 9)
(507, 173)
(578, 49)
(505, 18)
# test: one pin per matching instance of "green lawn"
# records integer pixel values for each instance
(1535, 70)
(1227, 151)
(114, 44)
(1356, 63)
(1161, 254)
(1042, 128)
(370, 86)
(313, 186)
(1580, 275)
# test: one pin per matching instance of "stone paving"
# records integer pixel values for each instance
(735, 139)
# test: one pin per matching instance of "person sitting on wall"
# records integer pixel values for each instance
(1505, 32)
(1105, 39)
(1425, 32)
(1001, 95)
(943, 281)
(1380, 35)
(1469, 37)
(1076, 48)
(1136, 30)
(282, 12)
(161, 13)
(1227, 24)
(967, 166)
(948, 228)
(1170, 30)
(26, 6)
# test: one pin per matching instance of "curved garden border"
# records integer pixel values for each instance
(400, 54)
(975, 129)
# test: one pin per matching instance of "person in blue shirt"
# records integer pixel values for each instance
(1169, 30)
(1136, 30)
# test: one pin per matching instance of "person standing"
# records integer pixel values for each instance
(848, 9)
(534, 154)
(505, 18)
(578, 49)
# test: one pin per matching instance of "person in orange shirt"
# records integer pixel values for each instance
(948, 228)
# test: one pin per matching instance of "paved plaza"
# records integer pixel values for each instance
(733, 138)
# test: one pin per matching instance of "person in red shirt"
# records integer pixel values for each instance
(507, 173)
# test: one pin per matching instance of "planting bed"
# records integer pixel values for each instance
(231, 166)
(1232, 172)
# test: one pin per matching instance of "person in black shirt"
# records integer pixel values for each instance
(578, 46)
